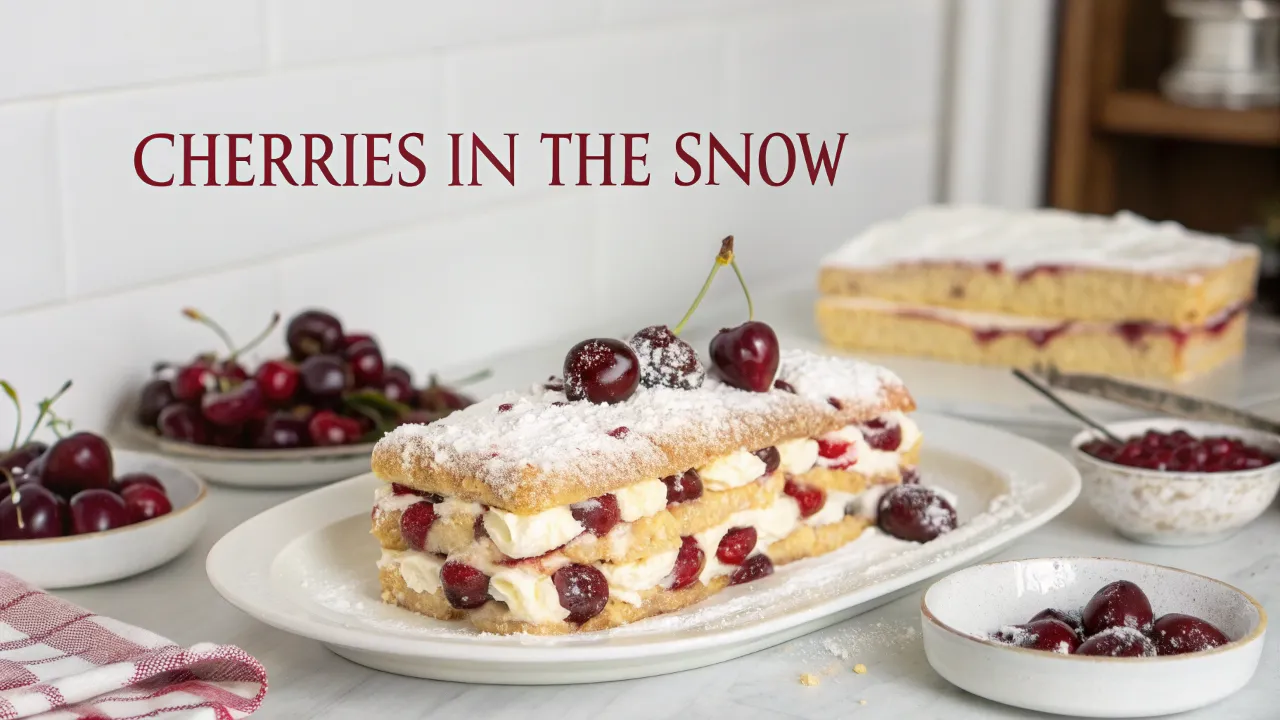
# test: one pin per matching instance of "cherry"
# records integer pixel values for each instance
(683, 487)
(415, 523)
(1176, 634)
(1046, 634)
(666, 360)
(365, 358)
(145, 502)
(80, 461)
(184, 423)
(156, 396)
(137, 478)
(399, 372)
(755, 567)
(915, 513)
(398, 489)
(1118, 604)
(396, 388)
(97, 510)
(746, 356)
(882, 436)
(770, 457)
(465, 587)
(1071, 621)
(1117, 642)
(736, 545)
(784, 386)
(278, 380)
(192, 381)
(598, 514)
(328, 428)
(833, 447)
(602, 370)
(281, 430)
(808, 497)
(18, 461)
(324, 377)
(689, 563)
(583, 591)
(442, 399)
(313, 332)
(233, 407)
(231, 371)
(42, 514)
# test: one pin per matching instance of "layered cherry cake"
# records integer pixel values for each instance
(1116, 295)
(534, 512)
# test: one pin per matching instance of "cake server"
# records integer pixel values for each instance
(1162, 401)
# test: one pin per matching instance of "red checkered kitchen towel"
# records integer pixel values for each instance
(65, 662)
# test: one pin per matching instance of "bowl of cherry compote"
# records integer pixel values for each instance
(1178, 482)
(311, 416)
(1092, 637)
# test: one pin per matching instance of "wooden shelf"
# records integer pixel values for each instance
(1130, 112)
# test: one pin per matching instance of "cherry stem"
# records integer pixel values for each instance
(724, 257)
(751, 311)
(193, 314)
(14, 496)
(275, 320)
(17, 423)
(46, 407)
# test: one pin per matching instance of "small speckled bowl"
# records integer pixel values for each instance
(959, 611)
(1177, 508)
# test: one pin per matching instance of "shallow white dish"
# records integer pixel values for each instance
(308, 566)
(958, 611)
(1177, 508)
(259, 468)
(114, 554)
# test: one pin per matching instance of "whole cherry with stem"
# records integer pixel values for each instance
(745, 356)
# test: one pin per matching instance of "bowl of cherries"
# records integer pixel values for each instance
(1178, 482)
(1092, 637)
(79, 512)
(306, 418)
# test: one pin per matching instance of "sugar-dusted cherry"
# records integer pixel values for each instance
(465, 587)
(770, 457)
(689, 562)
(755, 567)
(1117, 604)
(915, 513)
(601, 370)
(1177, 634)
(1118, 641)
(1071, 620)
(736, 545)
(882, 435)
(598, 515)
(666, 360)
(415, 523)
(583, 591)
(1047, 634)
(683, 487)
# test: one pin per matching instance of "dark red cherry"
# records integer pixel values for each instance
(396, 388)
(145, 502)
(156, 396)
(278, 380)
(1071, 621)
(328, 428)
(231, 371)
(882, 436)
(601, 370)
(96, 511)
(465, 587)
(833, 447)
(746, 356)
(281, 430)
(784, 386)
(324, 377)
(683, 487)
(18, 461)
(80, 461)
(1119, 604)
(399, 372)
(1045, 634)
(442, 399)
(42, 514)
(666, 360)
(808, 497)
(365, 358)
(193, 381)
(183, 423)
(233, 407)
(415, 523)
(138, 478)
(313, 332)
(1117, 642)
(1176, 634)
(915, 513)
(583, 591)
(755, 567)
(736, 545)
(770, 457)
(598, 514)
(689, 562)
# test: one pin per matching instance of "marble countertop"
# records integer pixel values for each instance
(308, 681)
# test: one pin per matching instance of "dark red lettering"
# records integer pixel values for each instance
(210, 160)
(371, 159)
(827, 164)
(320, 162)
(743, 171)
(764, 165)
(555, 153)
(137, 159)
(412, 159)
(276, 161)
(688, 159)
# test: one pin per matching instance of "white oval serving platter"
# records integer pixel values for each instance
(79, 560)
(308, 566)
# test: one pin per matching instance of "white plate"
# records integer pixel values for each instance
(959, 610)
(114, 554)
(250, 468)
(308, 566)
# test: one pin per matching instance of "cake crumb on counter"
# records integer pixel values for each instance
(860, 669)
(809, 680)
(862, 702)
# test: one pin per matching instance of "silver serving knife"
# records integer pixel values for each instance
(1161, 401)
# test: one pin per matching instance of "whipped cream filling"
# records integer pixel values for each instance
(797, 456)
(386, 500)
(628, 580)
(641, 500)
(863, 458)
(526, 536)
(730, 471)
(834, 509)
(421, 571)
(529, 596)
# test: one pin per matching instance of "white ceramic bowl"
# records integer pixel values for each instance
(961, 609)
(114, 554)
(1177, 508)
(250, 468)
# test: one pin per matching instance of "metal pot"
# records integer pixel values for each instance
(1228, 54)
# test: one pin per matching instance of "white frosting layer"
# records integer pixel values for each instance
(529, 596)
(457, 507)
(798, 456)
(386, 500)
(833, 510)
(733, 470)
(628, 580)
(867, 460)
(525, 536)
(1021, 240)
(421, 571)
(641, 500)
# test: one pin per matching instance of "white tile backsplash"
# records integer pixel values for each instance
(444, 276)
